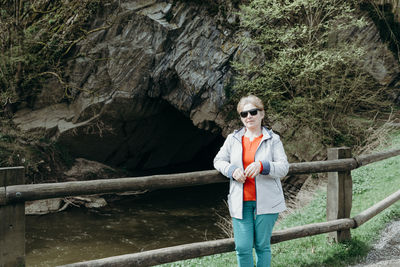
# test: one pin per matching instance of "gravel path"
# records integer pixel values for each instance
(386, 252)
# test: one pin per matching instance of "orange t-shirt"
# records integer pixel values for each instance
(249, 153)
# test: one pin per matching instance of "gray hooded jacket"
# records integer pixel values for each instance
(269, 193)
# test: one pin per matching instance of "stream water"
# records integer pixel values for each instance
(158, 219)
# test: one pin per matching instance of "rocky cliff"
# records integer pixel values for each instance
(149, 84)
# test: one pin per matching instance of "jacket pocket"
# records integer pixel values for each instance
(278, 186)
(270, 186)
(269, 190)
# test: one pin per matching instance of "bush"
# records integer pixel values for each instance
(309, 67)
(35, 38)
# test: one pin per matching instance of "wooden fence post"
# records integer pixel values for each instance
(12, 222)
(339, 193)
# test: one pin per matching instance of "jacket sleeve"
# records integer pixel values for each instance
(222, 160)
(279, 166)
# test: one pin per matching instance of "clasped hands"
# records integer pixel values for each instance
(251, 171)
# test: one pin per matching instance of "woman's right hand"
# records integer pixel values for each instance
(239, 176)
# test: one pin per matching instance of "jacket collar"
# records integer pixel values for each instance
(238, 134)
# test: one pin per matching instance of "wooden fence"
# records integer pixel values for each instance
(13, 194)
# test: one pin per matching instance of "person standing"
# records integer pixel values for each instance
(254, 159)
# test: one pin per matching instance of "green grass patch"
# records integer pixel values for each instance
(371, 184)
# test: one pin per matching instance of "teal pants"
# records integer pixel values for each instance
(253, 231)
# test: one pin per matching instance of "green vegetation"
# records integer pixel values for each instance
(35, 38)
(372, 183)
(301, 58)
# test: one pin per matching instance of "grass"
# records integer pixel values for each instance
(371, 184)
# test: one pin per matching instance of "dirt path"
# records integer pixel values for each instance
(386, 251)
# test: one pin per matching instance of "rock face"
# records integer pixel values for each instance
(152, 77)
(152, 85)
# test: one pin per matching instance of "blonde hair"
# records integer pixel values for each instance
(250, 99)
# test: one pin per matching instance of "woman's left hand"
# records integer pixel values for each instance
(253, 169)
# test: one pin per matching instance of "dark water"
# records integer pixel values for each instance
(158, 219)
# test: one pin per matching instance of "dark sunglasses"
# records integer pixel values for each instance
(252, 112)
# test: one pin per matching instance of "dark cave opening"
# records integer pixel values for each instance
(148, 137)
(186, 147)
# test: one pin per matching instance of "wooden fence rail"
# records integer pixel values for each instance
(199, 249)
(29, 192)
(13, 194)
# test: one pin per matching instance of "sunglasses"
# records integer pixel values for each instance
(252, 112)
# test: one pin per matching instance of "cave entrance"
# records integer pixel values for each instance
(174, 145)
(148, 137)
